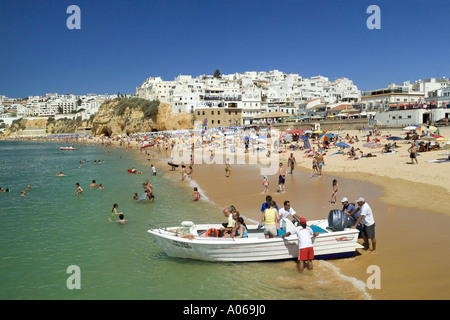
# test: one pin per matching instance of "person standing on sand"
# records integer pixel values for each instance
(227, 169)
(281, 178)
(320, 163)
(335, 190)
(266, 184)
(413, 153)
(368, 222)
(183, 172)
(292, 162)
(314, 168)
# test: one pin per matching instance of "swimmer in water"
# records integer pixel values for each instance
(93, 184)
(79, 190)
(121, 219)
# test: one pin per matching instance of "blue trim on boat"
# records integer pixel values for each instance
(335, 256)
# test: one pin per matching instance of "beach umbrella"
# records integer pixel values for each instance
(342, 145)
(394, 138)
(326, 136)
(441, 139)
(304, 138)
(289, 131)
(288, 136)
(424, 128)
(308, 131)
(298, 131)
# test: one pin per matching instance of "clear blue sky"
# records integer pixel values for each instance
(121, 43)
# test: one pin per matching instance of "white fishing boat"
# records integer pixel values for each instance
(191, 241)
(67, 148)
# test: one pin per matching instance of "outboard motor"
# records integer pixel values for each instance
(338, 220)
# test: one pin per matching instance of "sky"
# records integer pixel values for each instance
(121, 43)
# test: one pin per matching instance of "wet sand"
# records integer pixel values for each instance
(412, 244)
(412, 218)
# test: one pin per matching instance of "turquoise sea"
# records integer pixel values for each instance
(51, 228)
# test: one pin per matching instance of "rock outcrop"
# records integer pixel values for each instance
(111, 120)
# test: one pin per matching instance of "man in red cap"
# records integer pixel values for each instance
(305, 246)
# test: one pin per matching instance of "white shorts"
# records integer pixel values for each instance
(270, 230)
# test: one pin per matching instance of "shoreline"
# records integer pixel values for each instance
(392, 194)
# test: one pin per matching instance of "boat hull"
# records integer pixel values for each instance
(330, 245)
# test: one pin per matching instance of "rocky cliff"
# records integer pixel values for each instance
(124, 116)
(111, 120)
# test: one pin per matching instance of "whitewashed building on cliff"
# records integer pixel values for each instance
(252, 93)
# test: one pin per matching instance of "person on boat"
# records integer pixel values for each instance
(227, 227)
(367, 221)
(270, 218)
(305, 246)
(241, 228)
(287, 212)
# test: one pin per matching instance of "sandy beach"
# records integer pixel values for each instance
(409, 202)
(410, 205)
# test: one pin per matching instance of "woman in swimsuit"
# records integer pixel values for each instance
(196, 194)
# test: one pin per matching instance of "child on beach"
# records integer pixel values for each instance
(266, 184)
(196, 194)
(334, 185)
(227, 169)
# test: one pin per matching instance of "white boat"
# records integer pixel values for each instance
(189, 241)
(67, 148)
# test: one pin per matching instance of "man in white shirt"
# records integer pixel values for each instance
(305, 246)
(367, 220)
(287, 212)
